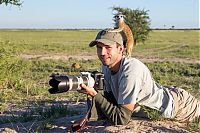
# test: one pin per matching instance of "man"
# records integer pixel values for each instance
(129, 84)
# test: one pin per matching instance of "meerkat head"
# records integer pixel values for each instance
(119, 17)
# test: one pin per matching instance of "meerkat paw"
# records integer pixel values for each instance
(108, 29)
(128, 55)
(111, 30)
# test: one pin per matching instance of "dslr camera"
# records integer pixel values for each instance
(62, 83)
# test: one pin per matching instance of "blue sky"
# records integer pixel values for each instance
(70, 14)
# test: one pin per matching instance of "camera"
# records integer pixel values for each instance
(62, 83)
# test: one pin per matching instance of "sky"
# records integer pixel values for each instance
(98, 14)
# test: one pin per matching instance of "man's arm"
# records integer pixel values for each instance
(118, 114)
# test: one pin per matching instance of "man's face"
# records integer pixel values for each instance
(109, 54)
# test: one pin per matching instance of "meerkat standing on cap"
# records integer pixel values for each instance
(122, 26)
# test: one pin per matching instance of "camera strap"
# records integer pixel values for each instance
(79, 124)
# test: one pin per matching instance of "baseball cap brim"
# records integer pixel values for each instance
(104, 41)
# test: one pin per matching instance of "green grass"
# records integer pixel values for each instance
(48, 41)
(42, 112)
(161, 43)
(22, 79)
(186, 76)
(193, 126)
(171, 44)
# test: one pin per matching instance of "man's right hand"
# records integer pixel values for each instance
(88, 90)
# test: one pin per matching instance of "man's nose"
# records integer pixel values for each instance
(103, 51)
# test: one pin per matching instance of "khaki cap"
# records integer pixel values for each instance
(107, 38)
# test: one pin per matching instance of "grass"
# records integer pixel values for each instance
(193, 126)
(186, 76)
(22, 79)
(40, 112)
(49, 41)
(161, 43)
(171, 44)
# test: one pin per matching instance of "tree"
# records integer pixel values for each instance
(138, 21)
(12, 2)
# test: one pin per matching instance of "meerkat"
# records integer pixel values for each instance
(120, 25)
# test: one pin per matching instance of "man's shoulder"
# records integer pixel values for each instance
(134, 66)
(132, 61)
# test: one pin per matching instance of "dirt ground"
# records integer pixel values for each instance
(89, 57)
(136, 125)
(62, 125)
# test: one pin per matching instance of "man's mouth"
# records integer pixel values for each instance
(104, 59)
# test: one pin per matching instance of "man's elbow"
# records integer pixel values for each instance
(122, 121)
(123, 116)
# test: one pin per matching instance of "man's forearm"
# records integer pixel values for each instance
(115, 113)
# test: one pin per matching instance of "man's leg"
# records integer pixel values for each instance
(187, 107)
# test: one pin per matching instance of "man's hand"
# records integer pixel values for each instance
(88, 90)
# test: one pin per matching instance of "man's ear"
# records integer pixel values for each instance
(121, 48)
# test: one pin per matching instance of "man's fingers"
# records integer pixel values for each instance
(87, 90)
(83, 90)
(83, 86)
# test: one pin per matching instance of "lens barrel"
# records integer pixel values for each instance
(64, 83)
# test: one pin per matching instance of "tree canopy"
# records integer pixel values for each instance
(138, 20)
(12, 2)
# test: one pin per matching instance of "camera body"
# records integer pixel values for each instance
(62, 83)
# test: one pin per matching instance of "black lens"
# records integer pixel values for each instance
(59, 84)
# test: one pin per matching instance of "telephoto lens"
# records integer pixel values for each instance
(64, 83)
